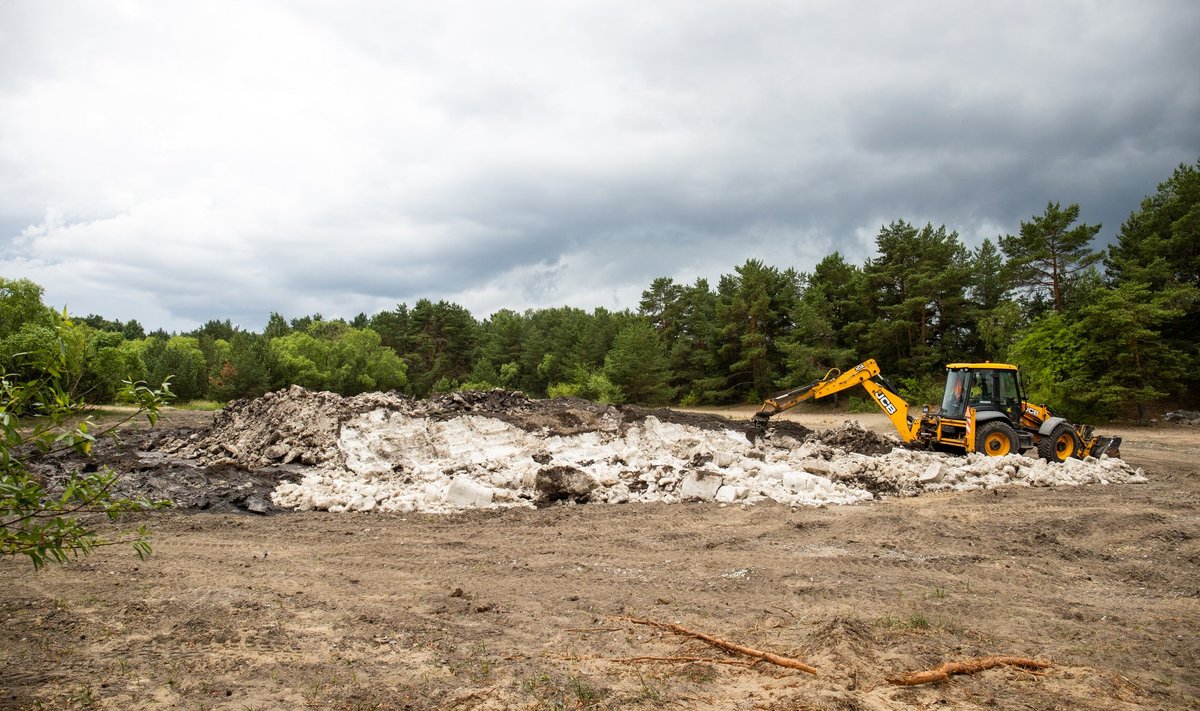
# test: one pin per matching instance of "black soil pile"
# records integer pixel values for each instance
(149, 472)
(853, 437)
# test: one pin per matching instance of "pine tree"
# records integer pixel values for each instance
(1048, 253)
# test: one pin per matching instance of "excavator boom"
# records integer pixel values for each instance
(865, 374)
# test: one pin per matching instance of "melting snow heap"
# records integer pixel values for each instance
(387, 452)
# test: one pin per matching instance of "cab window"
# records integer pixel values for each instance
(954, 401)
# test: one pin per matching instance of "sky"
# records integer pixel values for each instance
(179, 161)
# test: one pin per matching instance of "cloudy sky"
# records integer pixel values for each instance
(176, 162)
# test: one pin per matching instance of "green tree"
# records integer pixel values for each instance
(693, 352)
(1054, 368)
(917, 288)
(20, 304)
(363, 364)
(1159, 247)
(1127, 357)
(179, 359)
(344, 360)
(997, 319)
(1048, 253)
(440, 340)
(276, 326)
(1159, 244)
(812, 350)
(754, 312)
(501, 341)
(53, 522)
(661, 304)
(108, 363)
(829, 319)
(248, 367)
(637, 364)
(304, 360)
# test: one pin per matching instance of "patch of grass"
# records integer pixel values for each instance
(584, 692)
(574, 692)
(201, 405)
(84, 697)
(698, 673)
(649, 691)
(916, 621)
(477, 666)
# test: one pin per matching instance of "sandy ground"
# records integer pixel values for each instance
(526, 608)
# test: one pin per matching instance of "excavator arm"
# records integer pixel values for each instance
(865, 374)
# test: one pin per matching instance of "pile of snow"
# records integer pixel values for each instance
(391, 460)
(1183, 417)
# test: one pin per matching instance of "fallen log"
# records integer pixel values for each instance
(728, 646)
(969, 666)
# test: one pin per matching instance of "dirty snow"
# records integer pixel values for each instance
(399, 463)
(380, 452)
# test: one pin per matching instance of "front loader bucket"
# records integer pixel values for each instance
(1106, 445)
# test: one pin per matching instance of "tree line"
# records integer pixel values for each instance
(1097, 332)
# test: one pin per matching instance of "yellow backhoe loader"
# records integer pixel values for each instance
(983, 410)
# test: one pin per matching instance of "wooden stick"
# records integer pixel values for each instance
(728, 646)
(969, 666)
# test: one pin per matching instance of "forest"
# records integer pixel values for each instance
(1098, 333)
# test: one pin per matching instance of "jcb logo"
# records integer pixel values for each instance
(859, 367)
(1031, 410)
(887, 404)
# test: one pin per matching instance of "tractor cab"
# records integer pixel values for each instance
(985, 387)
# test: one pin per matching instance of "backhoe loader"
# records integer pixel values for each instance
(983, 410)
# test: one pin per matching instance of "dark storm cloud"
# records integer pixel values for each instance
(175, 167)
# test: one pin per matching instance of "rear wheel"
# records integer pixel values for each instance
(996, 439)
(1060, 445)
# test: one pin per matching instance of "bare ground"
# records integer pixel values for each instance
(523, 608)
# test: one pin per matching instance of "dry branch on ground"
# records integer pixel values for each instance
(728, 646)
(969, 666)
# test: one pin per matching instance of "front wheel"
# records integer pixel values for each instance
(996, 439)
(1060, 445)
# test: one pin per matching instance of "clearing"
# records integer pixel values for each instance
(447, 560)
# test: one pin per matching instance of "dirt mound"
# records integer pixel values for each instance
(853, 437)
(303, 426)
(699, 420)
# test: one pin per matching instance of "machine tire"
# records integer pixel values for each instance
(996, 439)
(1060, 445)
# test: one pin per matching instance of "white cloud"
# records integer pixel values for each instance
(176, 162)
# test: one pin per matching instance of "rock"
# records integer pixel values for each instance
(933, 473)
(1183, 417)
(700, 485)
(726, 494)
(820, 467)
(465, 492)
(256, 504)
(798, 481)
(563, 483)
(723, 459)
